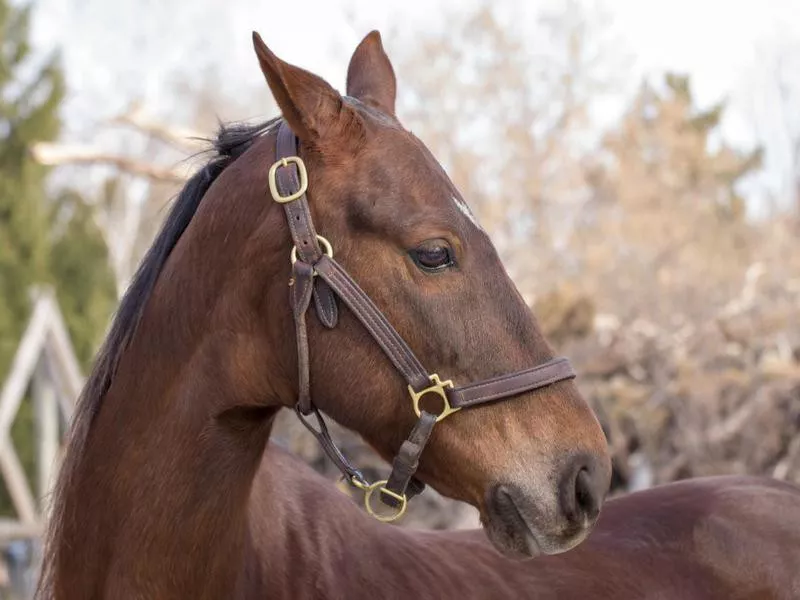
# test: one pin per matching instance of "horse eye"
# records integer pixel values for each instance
(432, 257)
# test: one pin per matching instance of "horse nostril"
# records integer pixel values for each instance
(585, 498)
(582, 491)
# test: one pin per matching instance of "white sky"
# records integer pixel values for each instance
(117, 51)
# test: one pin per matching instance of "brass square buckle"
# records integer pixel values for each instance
(438, 387)
(273, 184)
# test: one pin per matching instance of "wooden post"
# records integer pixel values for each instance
(45, 407)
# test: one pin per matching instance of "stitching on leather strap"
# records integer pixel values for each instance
(556, 362)
(470, 395)
(394, 347)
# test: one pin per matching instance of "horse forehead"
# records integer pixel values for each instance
(423, 188)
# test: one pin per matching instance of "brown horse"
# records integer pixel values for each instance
(165, 491)
(153, 497)
(722, 538)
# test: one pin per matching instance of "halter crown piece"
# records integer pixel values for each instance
(316, 275)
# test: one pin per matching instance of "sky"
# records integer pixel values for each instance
(118, 51)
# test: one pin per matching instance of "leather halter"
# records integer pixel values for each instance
(315, 274)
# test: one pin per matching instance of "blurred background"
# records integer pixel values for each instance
(637, 165)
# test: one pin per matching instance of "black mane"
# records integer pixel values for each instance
(230, 142)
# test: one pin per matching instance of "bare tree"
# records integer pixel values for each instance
(511, 118)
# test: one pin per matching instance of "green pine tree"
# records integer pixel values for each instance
(43, 240)
(79, 267)
(28, 113)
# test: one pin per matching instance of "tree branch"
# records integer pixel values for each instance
(187, 140)
(51, 154)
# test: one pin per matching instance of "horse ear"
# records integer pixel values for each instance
(370, 76)
(309, 104)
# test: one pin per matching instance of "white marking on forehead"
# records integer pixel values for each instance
(462, 206)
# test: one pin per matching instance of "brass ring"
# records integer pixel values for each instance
(327, 249)
(379, 487)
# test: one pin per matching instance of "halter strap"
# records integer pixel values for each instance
(489, 390)
(410, 367)
(312, 255)
(290, 180)
(374, 322)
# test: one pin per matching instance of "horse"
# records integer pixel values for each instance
(170, 489)
(720, 538)
(211, 340)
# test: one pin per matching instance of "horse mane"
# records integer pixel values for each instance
(230, 142)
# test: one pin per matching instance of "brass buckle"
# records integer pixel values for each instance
(379, 486)
(326, 249)
(273, 184)
(437, 388)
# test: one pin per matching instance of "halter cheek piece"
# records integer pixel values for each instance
(316, 275)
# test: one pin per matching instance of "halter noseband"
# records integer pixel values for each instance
(315, 274)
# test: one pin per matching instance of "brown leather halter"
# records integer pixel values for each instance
(316, 275)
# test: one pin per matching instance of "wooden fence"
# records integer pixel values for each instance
(45, 367)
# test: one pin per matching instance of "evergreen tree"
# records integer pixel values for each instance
(28, 113)
(42, 240)
(83, 278)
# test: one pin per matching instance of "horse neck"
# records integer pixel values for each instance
(310, 540)
(157, 504)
